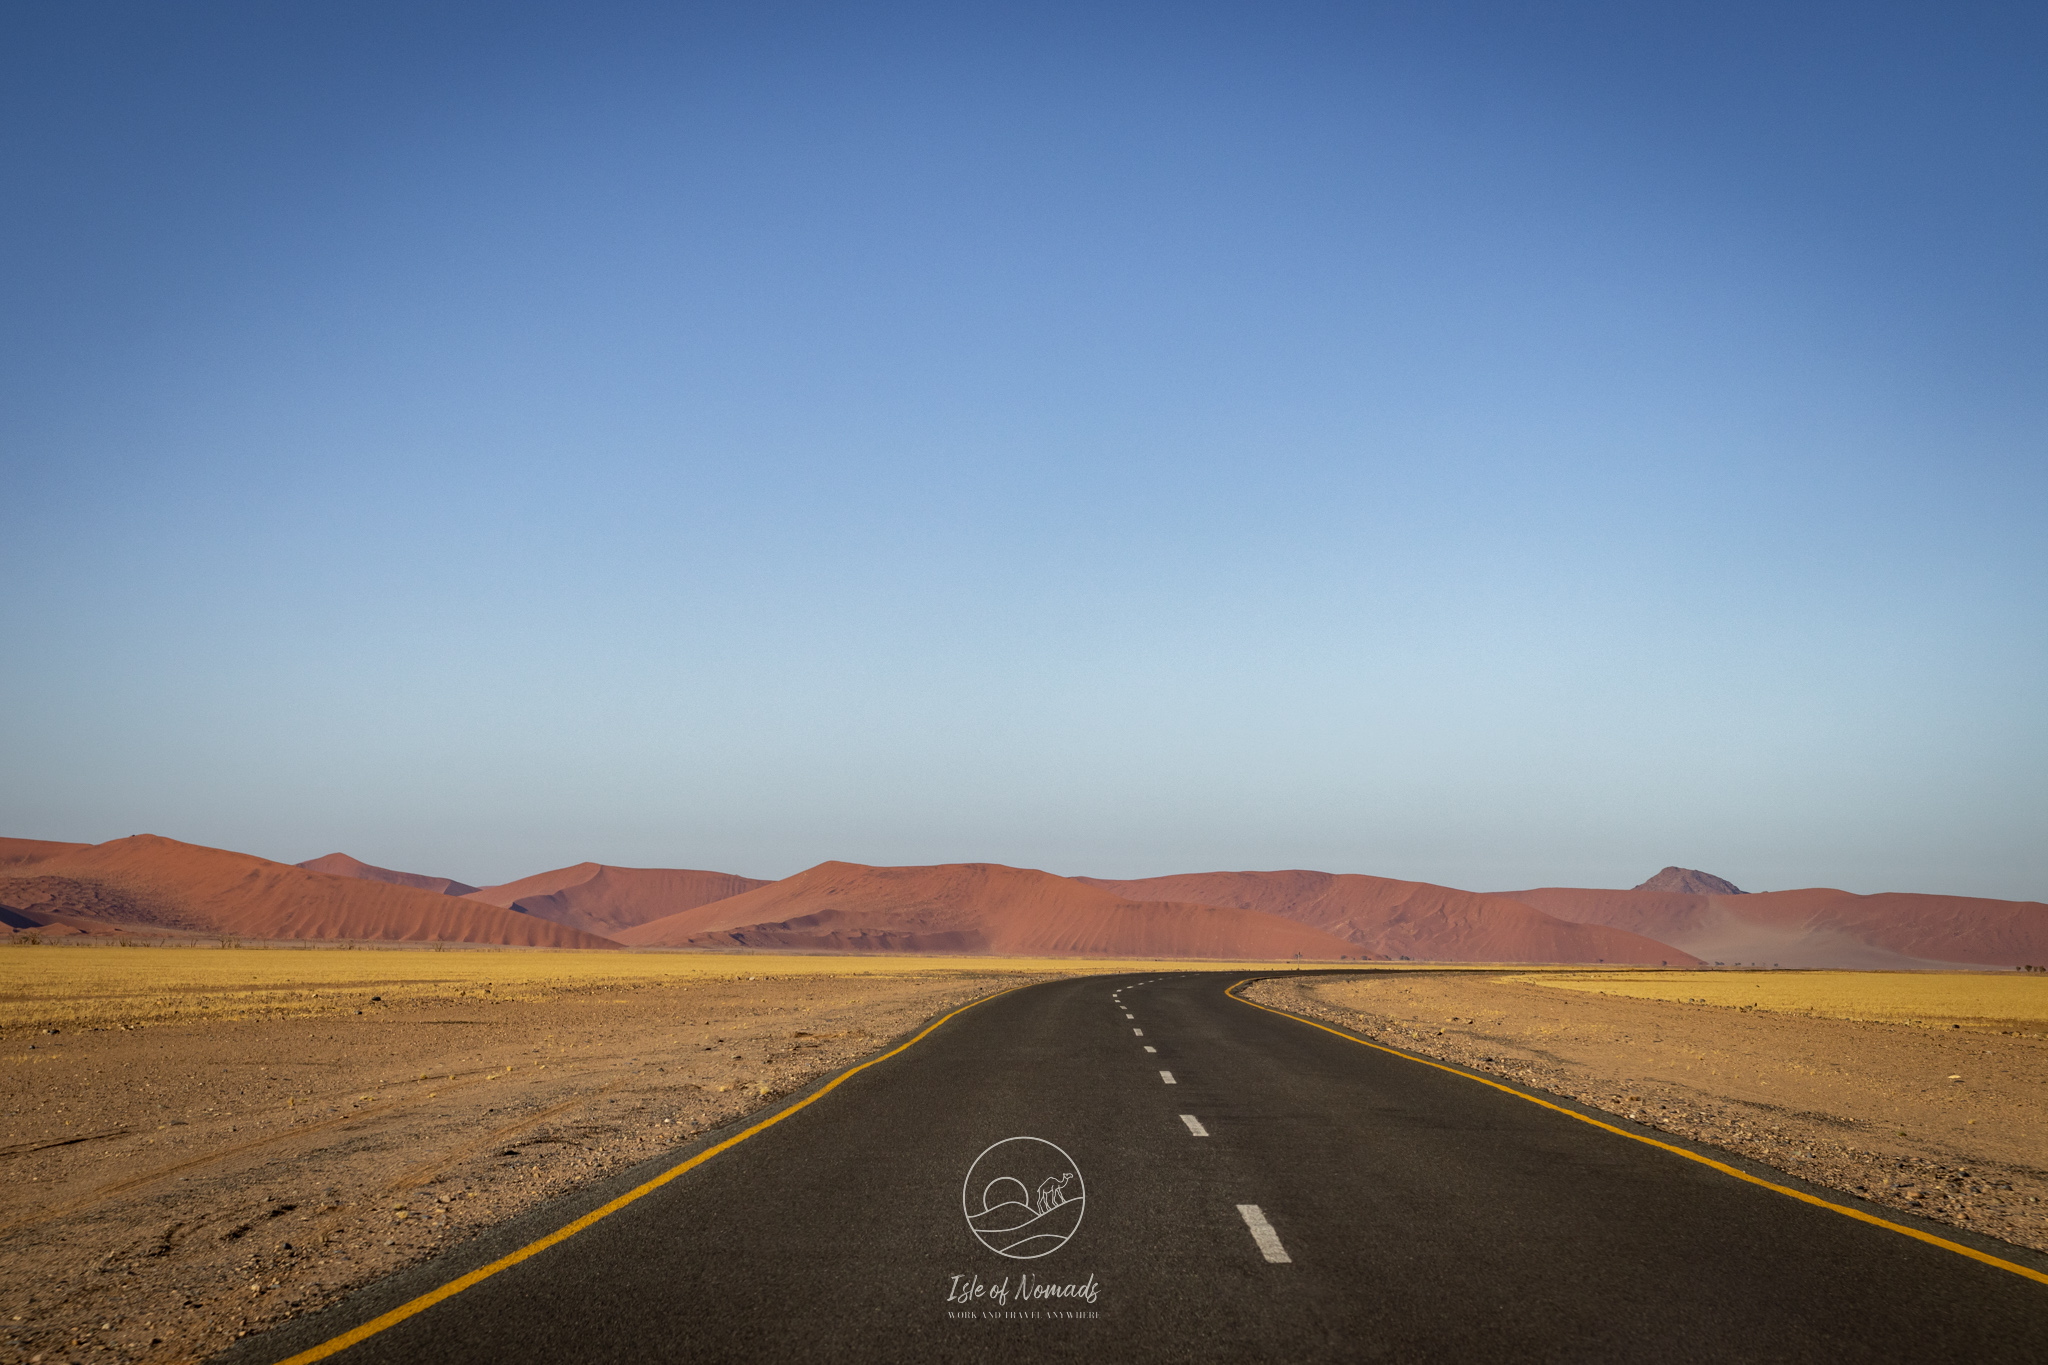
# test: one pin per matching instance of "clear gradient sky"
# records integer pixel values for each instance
(1497, 444)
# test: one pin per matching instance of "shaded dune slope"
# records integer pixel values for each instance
(155, 885)
(341, 865)
(977, 907)
(1818, 926)
(604, 900)
(1420, 920)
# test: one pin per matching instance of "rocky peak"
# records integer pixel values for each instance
(1692, 882)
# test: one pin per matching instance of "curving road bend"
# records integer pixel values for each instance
(1248, 1187)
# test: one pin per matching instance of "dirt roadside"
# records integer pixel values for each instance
(169, 1189)
(1948, 1123)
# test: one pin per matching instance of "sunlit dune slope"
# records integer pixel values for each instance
(153, 884)
(539, 884)
(978, 907)
(1818, 926)
(341, 865)
(1389, 918)
(604, 900)
(20, 852)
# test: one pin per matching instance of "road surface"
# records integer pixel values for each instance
(1286, 1194)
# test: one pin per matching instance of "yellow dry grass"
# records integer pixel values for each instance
(2010, 1001)
(110, 986)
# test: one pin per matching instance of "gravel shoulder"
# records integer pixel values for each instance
(174, 1183)
(1950, 1123)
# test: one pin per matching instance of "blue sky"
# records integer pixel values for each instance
(1496, 444)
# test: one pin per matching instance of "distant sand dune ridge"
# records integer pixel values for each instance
(979, 907)
(600, 899)
(1420, 920)
(1680, 917)
(341, 865)
(147, 883)
(1817, 926)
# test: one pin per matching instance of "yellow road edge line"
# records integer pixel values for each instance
(1720, 1166)
(364, 1332)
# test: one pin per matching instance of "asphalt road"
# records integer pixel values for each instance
(1422, 1217)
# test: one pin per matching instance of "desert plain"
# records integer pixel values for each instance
(202, 1142)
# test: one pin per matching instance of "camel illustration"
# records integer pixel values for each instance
(1051, 1193)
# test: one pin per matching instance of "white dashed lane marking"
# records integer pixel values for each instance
(1166, 1076)
(1138, 1032)
(1263, 1234)
(1150, 1048)
(1194, 1125)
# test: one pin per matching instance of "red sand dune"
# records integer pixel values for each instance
(52, 906)
(20, 852)
(1416, 920)
(341, 865)
(977, 908)
(156, 885)
(1817, 927)
(604, 900)
(539, 884)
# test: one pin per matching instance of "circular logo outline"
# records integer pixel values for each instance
(967, 1184)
